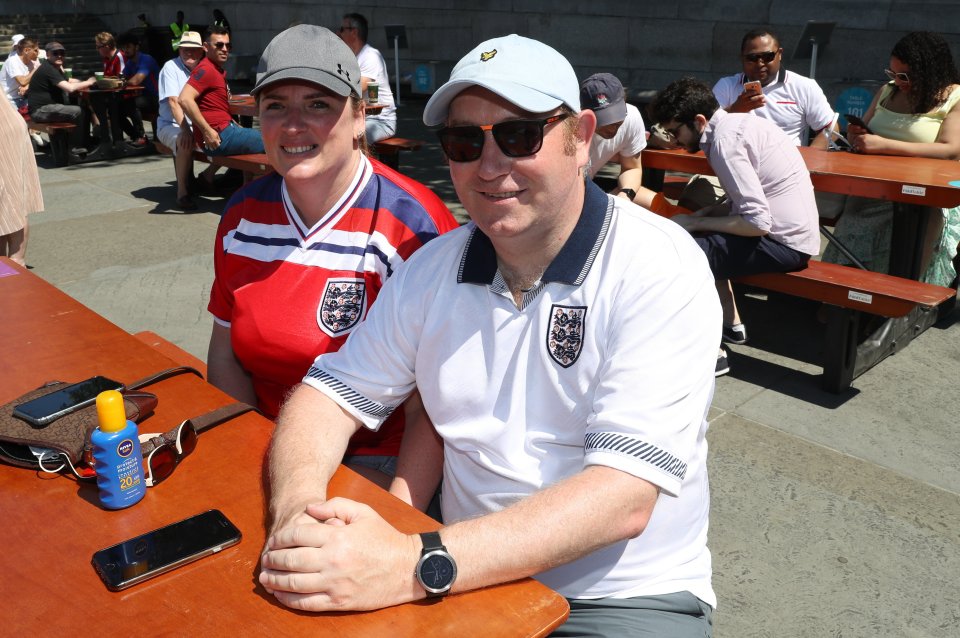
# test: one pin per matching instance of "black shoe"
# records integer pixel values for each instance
(735, 334)
(186, 203)
(723, 366)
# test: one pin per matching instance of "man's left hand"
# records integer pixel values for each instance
(355, 560)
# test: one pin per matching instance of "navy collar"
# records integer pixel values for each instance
(478, 265)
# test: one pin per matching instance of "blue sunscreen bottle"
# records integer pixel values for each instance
(116, 454)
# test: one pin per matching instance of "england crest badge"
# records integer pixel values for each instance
(565, 333)
(342, 306)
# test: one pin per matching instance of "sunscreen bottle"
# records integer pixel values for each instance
(116, 454)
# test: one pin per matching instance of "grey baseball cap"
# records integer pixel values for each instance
(312, 54)
(602, 93)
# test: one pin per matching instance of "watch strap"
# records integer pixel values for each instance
(431, 542)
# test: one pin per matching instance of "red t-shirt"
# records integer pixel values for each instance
(113, 66)
(210, 82)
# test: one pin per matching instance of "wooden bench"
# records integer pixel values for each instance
(252, 164)
(172, 351)
(909, 306)
(388, 150)
(59, 133)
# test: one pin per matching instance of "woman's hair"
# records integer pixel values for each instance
(931, 68)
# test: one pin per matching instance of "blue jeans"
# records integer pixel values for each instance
(237, 140)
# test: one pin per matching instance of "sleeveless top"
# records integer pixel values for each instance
(910, 127)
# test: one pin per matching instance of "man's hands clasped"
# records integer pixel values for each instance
(339, 555)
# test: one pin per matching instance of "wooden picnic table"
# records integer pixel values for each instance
(53, 524)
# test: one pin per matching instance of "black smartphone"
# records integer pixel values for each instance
(138, 559)
(853, 118)
(43, 411)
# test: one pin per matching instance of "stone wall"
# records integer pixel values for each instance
(647, 44)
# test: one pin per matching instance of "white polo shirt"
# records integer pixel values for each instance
(631, 138)
(609, 362)
(793, 102)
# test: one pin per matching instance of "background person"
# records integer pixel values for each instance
(206, 101)
(177, 28)
(793, 102)
(914, 115)
(20, 193)
(770, 221)
(110, 55)
(18, 70)
(559, 461)
(373, 68)
(140, 69)
(303, 252)
(49, 88)
(173, 126)
(621, 134)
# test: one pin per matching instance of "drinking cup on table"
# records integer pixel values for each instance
(373, 92)
(98, 75)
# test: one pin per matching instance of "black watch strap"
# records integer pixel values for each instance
(431, 541)
(630, 192)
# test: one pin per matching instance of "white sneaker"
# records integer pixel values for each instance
(723, 366)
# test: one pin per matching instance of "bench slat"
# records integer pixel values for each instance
(871, 292)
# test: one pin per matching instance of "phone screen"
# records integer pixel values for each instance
(43, 410)
(138, 559)
(854, 119)
(752, 88)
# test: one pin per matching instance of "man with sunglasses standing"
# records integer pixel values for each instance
(206, 101)
(793, 102)
(563, 345)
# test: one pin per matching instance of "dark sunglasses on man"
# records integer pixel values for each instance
(766, 56)
(223, 45)
(516, 138)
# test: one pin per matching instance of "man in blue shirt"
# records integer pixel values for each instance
(140, 69)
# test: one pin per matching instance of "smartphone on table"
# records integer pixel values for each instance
(162, 550)
(43, 411)
(853, 118)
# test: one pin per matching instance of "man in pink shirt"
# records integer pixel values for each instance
(768, 222)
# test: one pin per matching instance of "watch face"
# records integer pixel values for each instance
(437, 572)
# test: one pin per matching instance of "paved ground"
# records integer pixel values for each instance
(833, 515)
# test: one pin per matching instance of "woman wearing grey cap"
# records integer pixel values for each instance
(302, 253)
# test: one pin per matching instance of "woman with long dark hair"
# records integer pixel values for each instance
(914, 115)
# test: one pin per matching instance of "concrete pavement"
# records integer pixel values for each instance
(833, 515)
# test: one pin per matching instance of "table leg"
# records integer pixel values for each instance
(907, 239)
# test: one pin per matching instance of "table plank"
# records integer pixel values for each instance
(53, 525)
(914, 180)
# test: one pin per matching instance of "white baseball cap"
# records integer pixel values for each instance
(525, 72)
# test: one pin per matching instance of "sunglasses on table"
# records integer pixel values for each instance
(223, 45)
(516, 138)
(166, 456)
(893, 75)
(766, 56)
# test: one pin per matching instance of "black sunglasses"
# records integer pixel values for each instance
(766, 56)
(223, 45)
(516, 138)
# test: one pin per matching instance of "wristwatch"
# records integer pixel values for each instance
(436, 569)
(632, 194)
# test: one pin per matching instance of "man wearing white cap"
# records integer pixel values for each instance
(563, 345)
(620, 135)
(173, 125)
